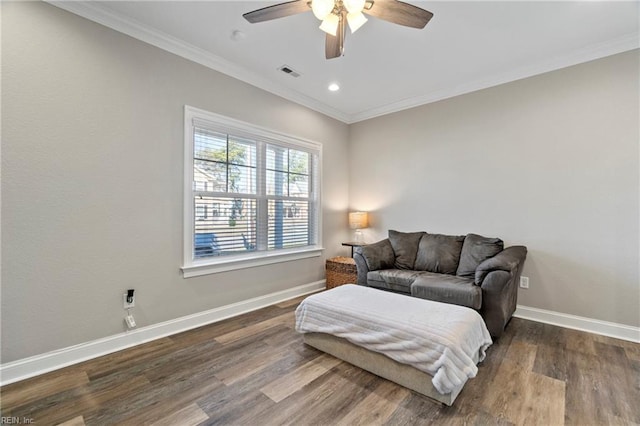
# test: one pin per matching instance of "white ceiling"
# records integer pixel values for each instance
(467, 46)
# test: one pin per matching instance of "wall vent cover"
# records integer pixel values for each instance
(288, 70)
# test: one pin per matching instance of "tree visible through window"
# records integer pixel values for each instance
(224, 174)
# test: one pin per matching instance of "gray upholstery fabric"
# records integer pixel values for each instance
(499, 294)
(378, 255)
(393, 279)
(447, 289)
(405, 247)
(439, 253)
(361, 266)
(507, 260)
(490, 285)
(475, 250)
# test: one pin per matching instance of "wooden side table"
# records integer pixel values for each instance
(341, 270)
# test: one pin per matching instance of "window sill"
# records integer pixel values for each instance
(232, 263)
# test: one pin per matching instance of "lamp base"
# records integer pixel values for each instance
(357, 237)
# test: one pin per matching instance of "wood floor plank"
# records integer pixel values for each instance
(139, 355)
(257, 328)
(544, 401)
(291, 302)
(235, 403)
(208, 332)
(31, 390)
(82, 400)
(151, 401)
(417, 409)
(579, 341)
(522, 354)
(190, 415)
(525, 397)
(300, 377)
(173, 399)
(321, 399)
(377, 407)
(586, 400)
(246, 368)
(179, 360)
(76, 421)
(551, 361)
(633, 353)
(619, 381)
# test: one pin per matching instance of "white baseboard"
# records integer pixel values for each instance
(605, 328)
(29, 367)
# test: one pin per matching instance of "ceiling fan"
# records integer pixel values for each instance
(335, 14)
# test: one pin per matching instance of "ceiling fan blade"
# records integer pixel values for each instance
(334, 45)
(399, 13)
(277, 11)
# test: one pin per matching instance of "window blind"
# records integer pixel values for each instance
(251, 192)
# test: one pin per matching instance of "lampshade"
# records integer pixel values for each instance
(353, 6)
(358, 220)
(330, 24)
(356, 20)
(322, 8)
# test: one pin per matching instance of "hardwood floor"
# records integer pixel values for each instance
(254, 369)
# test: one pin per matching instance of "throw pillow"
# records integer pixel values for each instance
(377, 255)
(439, 253)
(405, 248)
(475, 250)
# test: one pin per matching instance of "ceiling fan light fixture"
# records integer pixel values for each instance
(356, 20)
(330, 24)
(354, 6)
(322, 8)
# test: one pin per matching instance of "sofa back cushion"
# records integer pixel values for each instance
(475, 250)
(405, 248)
(439, 253)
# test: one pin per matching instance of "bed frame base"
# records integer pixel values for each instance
(380, 365)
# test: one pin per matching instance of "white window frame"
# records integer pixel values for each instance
(191, 266)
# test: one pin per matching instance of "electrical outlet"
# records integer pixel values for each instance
(126, 304)
(524, 282)
(131, 322)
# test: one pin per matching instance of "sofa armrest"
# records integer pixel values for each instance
(507, 260)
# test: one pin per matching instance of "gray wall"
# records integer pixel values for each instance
(550, 162)
(92, 178)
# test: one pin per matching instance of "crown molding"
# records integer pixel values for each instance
(156, 38)
(152, 36)
(578, 56)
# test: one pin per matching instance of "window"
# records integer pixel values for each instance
(251, 195)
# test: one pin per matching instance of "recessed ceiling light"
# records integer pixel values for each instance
(334, 87)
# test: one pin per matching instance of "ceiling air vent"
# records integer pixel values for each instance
(288, 70)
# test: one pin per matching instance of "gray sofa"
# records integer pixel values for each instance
(472, 270)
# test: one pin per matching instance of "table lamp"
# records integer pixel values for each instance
(358, 221)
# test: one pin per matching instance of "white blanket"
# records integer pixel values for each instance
(446, 341)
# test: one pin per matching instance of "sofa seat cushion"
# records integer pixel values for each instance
(393, 279)
(448, 289)
(439, 253)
